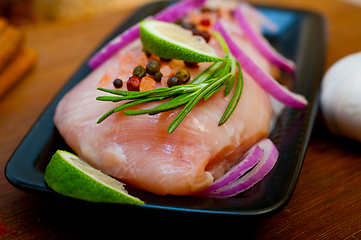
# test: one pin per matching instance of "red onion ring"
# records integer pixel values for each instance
(260, 42)
(114, 45)
(169, 14)
(255, 175)
(178, 10)
(268, 83)
(248, 160)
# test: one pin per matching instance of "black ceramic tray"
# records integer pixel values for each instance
(301, 37)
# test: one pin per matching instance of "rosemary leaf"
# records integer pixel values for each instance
(116, 92)
(222, 42)
(224, 70)
(110, 98)
(230, 84)
(234, 101)
(207, 73)
(204, 91)
(217, 87)
(159, 92)
(171, 104)
(126, 105)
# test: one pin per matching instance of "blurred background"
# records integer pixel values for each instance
(40, 34)
(20, 12)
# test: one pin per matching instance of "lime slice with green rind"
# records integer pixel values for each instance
(171, 41)
(68, 175)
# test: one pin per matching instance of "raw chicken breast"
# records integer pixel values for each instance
(139, 151)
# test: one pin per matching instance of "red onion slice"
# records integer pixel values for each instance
(178, 10)
(260, 42)
(114, 45)
(248, 160)
(255, 175)
(169, 14)
(268, 83)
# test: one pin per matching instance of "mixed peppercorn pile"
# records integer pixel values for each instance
(146, 76)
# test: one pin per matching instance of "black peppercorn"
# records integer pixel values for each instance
(118, 83)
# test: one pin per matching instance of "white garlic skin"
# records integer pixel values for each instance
(341, 97)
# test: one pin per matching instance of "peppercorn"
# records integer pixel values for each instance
(146, 52)
(188, 26)
(203, 34)
(133, 83)
(195, 32)
(139, 71)
(118, 83)
(165, 59)
(183, 75)
(191, 27)
(205, 10)
(158, 76)
(153, 67)
(205, 22)
(173, 81)
(191, 64)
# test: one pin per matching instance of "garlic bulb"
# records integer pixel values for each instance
(341, 97)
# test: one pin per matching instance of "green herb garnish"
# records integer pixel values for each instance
(211, 80)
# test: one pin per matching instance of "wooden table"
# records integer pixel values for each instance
(324, 205)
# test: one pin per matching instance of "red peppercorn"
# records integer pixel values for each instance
(133, 83)
(191, 64)
(205, 22)
(165, 59)
(204, 34)
(205, 10)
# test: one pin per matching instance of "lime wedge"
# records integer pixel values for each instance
(171, 41)
(68, 175)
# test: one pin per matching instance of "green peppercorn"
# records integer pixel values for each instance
(183, 75)
(173, 81)
(139, 71)
(158, 76)
(118, 83)
(153, 67)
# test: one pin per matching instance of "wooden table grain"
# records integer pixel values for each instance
(326, 201)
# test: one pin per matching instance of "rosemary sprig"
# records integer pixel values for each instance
(210, 81)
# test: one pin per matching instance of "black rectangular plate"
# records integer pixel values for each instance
(301, 37)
